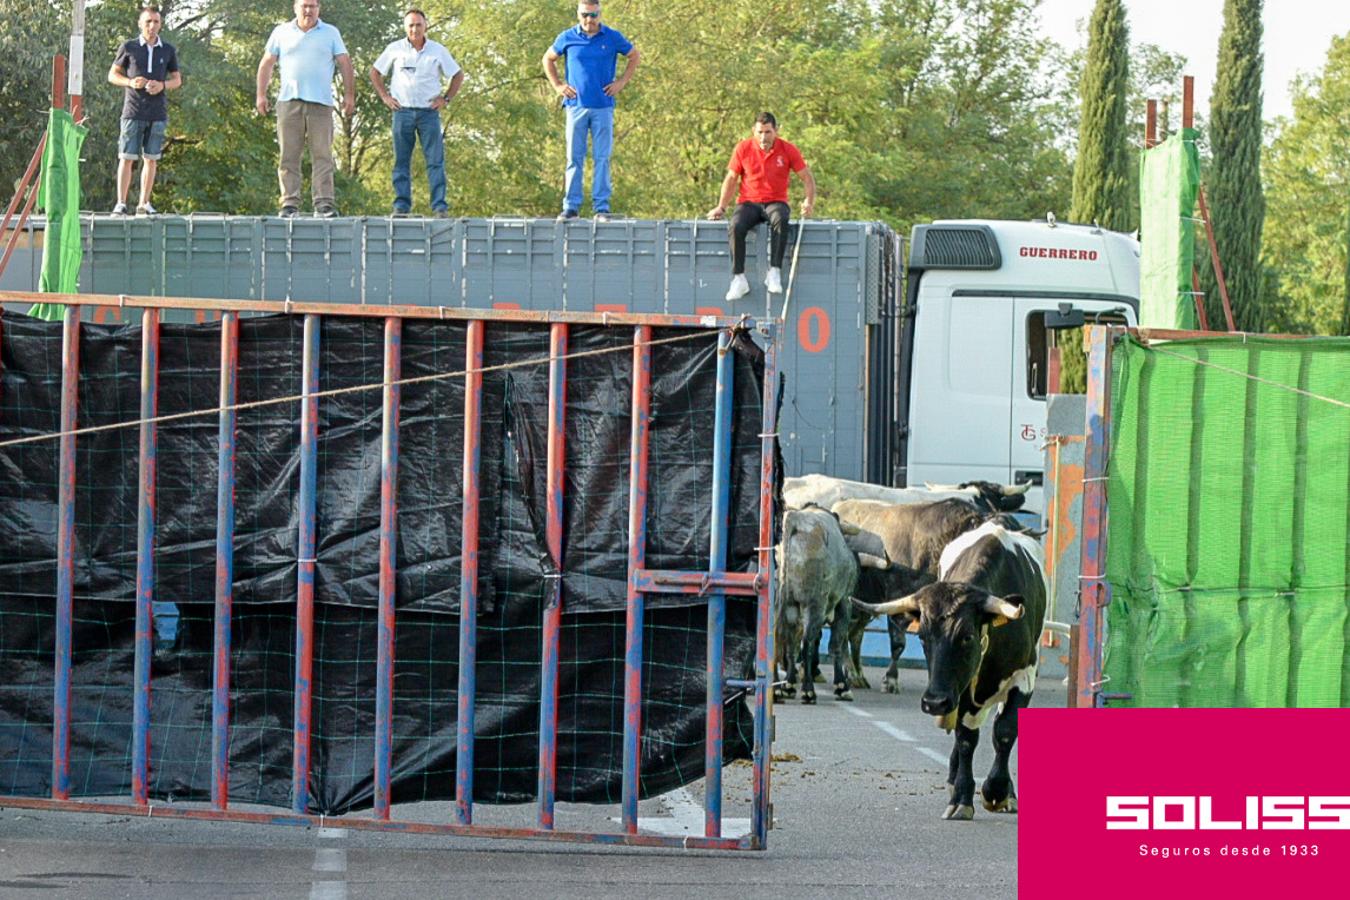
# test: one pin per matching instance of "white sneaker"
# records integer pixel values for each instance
(774, 281)
(740, 286)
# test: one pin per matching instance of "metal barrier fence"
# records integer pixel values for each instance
(714, 583)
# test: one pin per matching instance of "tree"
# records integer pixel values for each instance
(1101, 173)
(1236, 200)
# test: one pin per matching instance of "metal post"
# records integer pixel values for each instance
(384, 665)
(468, 586)
(548, 700)
(717, 602)
(761, 814)
(145, 558)
(65, 553)
(1095, 592)
(637, 557)
(304, 594)
(220, 684)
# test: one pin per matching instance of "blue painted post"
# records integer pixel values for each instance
(384, 664)
(468, 587)
(65, 552)
(220, 684)
(761, 813)
(304, 602)
(637, 556)
(145, 559)
(1095, 592)
(548, 700)
(717, 602)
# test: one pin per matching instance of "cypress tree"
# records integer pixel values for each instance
(1237, 201)
(1101, 173)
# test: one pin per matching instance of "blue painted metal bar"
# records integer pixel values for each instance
(220, 682)
(717, 601)
(65, 552)
(1094, 590)
(145, 558)
(637, 556)
(761, 813)
(384, 663)
(304, 597)
(468, 585)
(552, 626)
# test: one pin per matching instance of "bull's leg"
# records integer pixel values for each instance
(839, 652)
(895, 629)
(962, 804)
(997, 790)
(810, 655)
(853, 662)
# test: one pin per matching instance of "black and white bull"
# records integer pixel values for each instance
(980, 625)
(826, 491)
(818, 568)
(913, 537)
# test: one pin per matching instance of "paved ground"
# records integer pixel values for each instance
(858, 790)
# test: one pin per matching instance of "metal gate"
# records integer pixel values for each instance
(713, 583)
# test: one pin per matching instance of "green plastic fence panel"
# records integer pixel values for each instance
(1169, 179)
(59, 195)
(1228, 523)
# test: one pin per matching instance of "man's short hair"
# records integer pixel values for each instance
(149, 9)
(415, 12)
(766, 118)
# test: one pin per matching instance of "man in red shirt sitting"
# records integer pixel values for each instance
(762, 164)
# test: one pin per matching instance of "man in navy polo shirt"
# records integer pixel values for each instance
(146, 67)
(588, 95)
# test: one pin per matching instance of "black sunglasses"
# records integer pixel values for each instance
(589, 15)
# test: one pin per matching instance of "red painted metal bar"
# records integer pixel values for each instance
(65, 552)
(468, 585)
(145, 558)
(717, 600)
(59, 81)
(552, 626)
(18, 227)
(1214, 259)
(304, 596)
(1095, 592)
(25, 182)
(659, 581)
(637, 556)
(761, 814)
(183, 811)
(1201, 317)
(220, 679)
(384, 664)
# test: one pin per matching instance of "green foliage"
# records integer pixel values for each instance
(1236, 201)
(1308, 238)
(1101, 175)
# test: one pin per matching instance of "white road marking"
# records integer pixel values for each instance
(935, 756)
(332, 833)
(326, 860)
(857, 711)
(330, 859)
(898, 733)
(902, 736)
(328, 890)
(686, 818)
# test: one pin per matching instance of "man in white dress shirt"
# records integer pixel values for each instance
(414, 94)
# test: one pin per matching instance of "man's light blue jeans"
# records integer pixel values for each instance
(598, 124)
(412, 125)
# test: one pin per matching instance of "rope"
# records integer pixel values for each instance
(1200, 362)
(334, 392)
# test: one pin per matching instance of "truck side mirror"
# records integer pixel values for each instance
(1065, 317)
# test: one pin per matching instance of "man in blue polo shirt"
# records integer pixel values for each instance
(588, 94)
(307, 50)
(147, 67)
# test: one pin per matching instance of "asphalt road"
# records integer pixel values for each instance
(858, 791)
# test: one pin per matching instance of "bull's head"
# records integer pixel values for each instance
(954, 620)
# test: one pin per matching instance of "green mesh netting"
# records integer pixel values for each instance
(1228, 544)
(59, 196)
(1169, 178)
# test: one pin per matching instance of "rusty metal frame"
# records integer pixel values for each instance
(714, 583)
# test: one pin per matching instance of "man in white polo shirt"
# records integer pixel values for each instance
(307, 49)
(414, 94)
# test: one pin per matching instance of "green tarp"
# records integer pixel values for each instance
(1169, 179)
(59, 196)
(1228, 523)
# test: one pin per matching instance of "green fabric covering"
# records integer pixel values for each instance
(1228, 541)
(1169, 179)
(59, 196)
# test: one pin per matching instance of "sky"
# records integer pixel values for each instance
(1297, 36)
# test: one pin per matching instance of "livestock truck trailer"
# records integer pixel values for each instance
(933, 367)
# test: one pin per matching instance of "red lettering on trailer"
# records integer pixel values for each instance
(1057, 253)
(813, 321)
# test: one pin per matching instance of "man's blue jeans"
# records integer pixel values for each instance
(412, 125)
(598, 124)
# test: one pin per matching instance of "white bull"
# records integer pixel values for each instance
(825, 491)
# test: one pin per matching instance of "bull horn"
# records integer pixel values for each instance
(998, 606)
(1016, 490)
(941, 487)
(869, 561)
(905, 606)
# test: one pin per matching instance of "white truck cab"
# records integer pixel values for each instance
(984, 303)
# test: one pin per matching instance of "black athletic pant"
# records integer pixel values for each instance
(747, 216)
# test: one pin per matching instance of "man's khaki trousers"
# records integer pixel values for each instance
(298, 122)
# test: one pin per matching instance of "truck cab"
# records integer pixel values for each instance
(987, 303)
